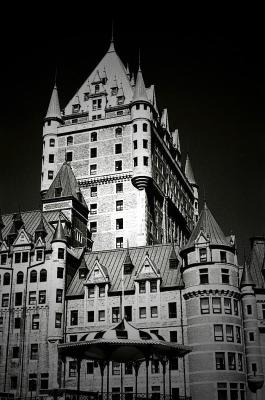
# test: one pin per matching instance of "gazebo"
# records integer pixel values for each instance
(123, 343)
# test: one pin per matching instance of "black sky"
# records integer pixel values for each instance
(208, 72)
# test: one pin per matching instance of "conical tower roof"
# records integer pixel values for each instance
(210, 228)
(189, 172)
(54, 111)
(66, 180)
(59, 235)
(140, 90)
(246, 279)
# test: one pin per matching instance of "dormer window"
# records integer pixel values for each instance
(97, 104)
(114, 91)
(75, 108)
(97, 87)
(142, 287)
(91, 292)
(58, 192)
(96, 273)
(147, 268)
(153, 286)
(203, 254)
(223, 257)
(120, 100)
(39, 255)
(101, 291)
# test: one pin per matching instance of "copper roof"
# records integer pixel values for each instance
(246, 279)
(210, 228)
(257, 261)
(113, 261)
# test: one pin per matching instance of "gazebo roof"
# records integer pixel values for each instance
(122, 343)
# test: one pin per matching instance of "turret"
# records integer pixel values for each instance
(211, 293)
(52, 121)
(190, 176)
(255, 376)
(141, 134)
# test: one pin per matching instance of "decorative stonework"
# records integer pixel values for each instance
(210, 292)
(101, 180)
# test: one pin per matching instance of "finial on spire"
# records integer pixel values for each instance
(111, 47)
(139, 60)
(55, 77)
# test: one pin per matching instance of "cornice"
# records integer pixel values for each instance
(210, 292)
(103, 179)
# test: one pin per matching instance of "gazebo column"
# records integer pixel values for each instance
(107, 362)
(164, 366)
(147, 376)
(102, 365)
(169, 378)
(136, 366)
(78, 367)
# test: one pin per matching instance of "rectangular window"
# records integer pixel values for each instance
(61, 254)
(52, 142)
(218, 333)
(155, 367)
(17, 258)
(118, 165)
(119, 187)
(263, 311)
(204, 303)
(249, 309)
(142, 285)
(204, 279)
(18, 299)
(145, 161)
(116, 368)
(34, 350)
(128, 313)
(135, 144)
(225, 276)
(93, 152)
(32, 382)
(91, 292)
(172, 310)
(238, 334)
(5, 300)
(115, 314)
(119, 223)
(58, 320)
(101, 291)
(135, 161)
(93, 191)
(232, 361)
(60, 272)
(51, 158)
(118, 148)
(220, 360)
(203, 255)
(93, 226)
(93, 169)
(74, 317)
(72, 369)
(222, 391)
(229, 333)
(90, 316)
(93, 136)
(90, 367)
(25, 256)
(119, 242)
(251, 336)
(15, 352)
(227, 305)
(128, 368)
(35, 321)
(216, 303)
(50, 174)
(173, 336)
(13, 382)
(153, 286)
(173, 364)
(17, 323)
(119, 205)
(223, 256)
(59, 295)
(32, 298)
(142, 312)
(44, 381)
(154, 312)
(73, 338)
(236, 309)
(39, 255)
(145, 143)
(101, 315)
(93, 208)
(3, 259)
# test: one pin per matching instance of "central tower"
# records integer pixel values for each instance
(126, 161)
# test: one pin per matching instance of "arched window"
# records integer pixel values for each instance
(134, 128)
(6, 278)
(118, 132)
(33, 276)
(43, 275)
(20, 277)
(70, 140)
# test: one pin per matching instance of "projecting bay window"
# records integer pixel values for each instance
(223, 257)
(236, 309)
(222, 391)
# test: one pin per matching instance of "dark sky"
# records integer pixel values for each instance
(208, 72)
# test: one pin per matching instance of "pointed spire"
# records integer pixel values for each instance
(189, 172)
(173, 259)
(140, 90)
(59, 235)
(111, 47)
(54, 111)
(128, 71)
(132, 81)
(40, 230)
(246, 279)
(175, 139)
(127, 264)
(164, 119)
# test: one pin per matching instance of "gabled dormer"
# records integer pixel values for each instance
(127, 264)
(4, 249)
(97, 275)
(23, 239)
(147, 279)
(40, 231)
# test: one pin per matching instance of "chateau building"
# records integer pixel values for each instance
(120, 236)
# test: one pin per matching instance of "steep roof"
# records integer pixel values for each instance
(140, 90)
(246, 279)
(113, 261)
(189, 172)
(257, 261)
(66, 180)
(111, 67)
(54, 110)
(210, 228)
(59, 235)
